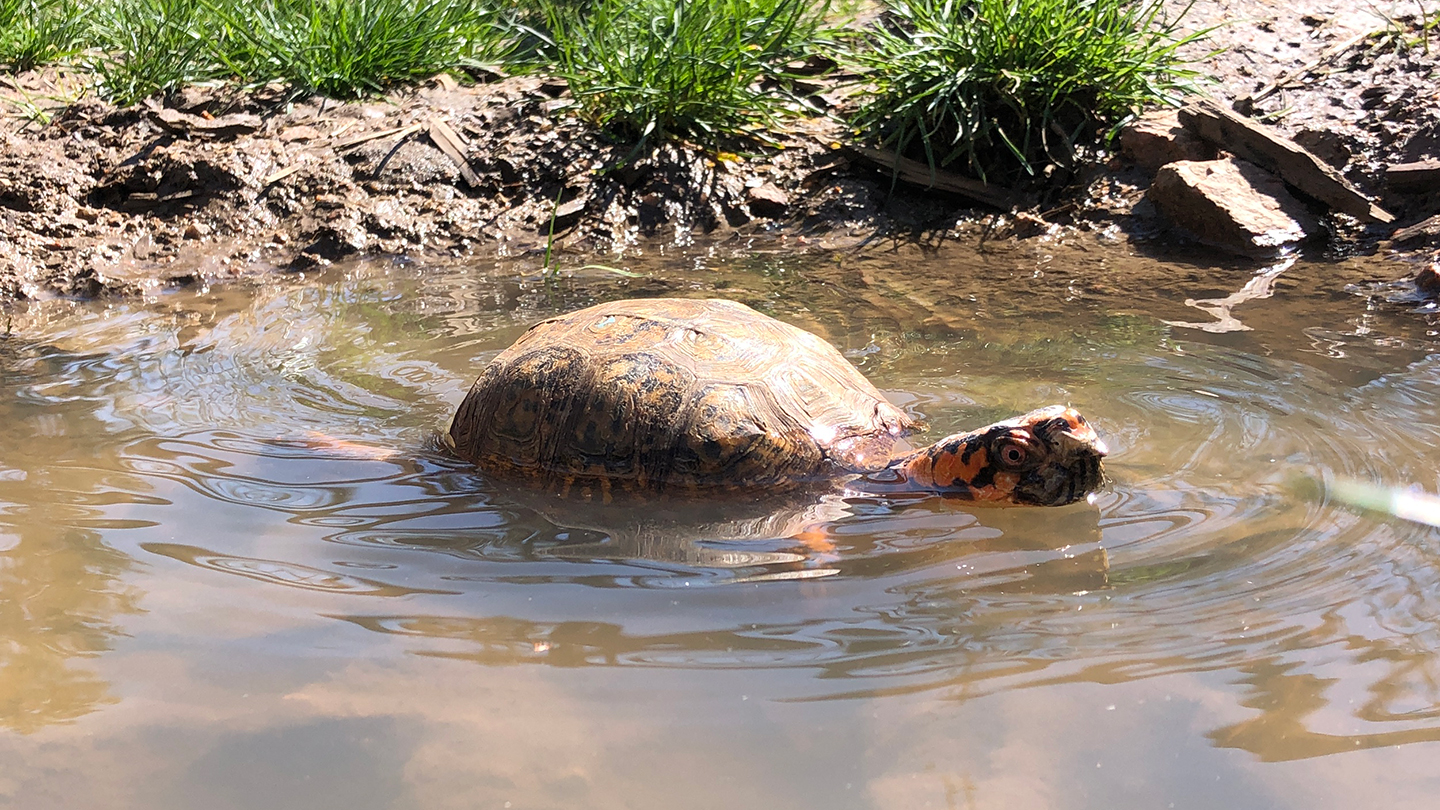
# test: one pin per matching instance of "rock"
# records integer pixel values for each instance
(1231, 205)
(1428, 230)
(567, 214)
(1326, 145)
(226, 126)
(1157, 138)
(1428, 279)
(1276, 153)
(1418, 177)
(767, 200)
(1022, 225)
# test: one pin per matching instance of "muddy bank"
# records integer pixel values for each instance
(206, 185)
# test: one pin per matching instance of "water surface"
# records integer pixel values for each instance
(212, 594)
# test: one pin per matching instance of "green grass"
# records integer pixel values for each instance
(36, 32)
(349, 48)
(642, 69)
(340, 48)
(144, 46)
(1003, 89)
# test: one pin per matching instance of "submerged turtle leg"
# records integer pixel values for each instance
(817, 541)
(315, 440)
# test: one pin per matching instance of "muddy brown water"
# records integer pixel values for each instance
(203, 605)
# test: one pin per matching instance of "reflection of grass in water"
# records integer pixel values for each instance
(60, 590)
(362, 334)
(61, 587)
(1155, 572)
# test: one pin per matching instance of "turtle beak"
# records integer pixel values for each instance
(1080, 431)
(1078, 469)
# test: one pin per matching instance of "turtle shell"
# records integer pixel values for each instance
(665, 394)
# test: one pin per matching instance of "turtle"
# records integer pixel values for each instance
(700, 396)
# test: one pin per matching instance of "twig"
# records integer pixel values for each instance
(282, 174)
(454, 148)
(921, 174)
(403, 132)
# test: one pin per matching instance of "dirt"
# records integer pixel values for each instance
(1361, 106)
(204, 185)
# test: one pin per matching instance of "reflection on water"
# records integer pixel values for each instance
(201, 570)
(62, 587)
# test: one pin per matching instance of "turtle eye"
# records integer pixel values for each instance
(1012, 455)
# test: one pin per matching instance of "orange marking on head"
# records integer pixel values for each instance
(949, 468)
(919, 470)
(1001, 490)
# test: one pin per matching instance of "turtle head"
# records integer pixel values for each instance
(1047, 457)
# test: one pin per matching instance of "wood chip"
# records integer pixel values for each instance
(1275, 153)
(226, 126)
(920, 174)
(454, 148)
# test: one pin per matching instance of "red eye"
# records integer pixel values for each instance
(1012, 454)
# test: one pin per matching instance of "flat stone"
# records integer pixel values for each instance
(1157, 138)
(1428, 279)
(226, 126)
(1422, 176)
(567, 214)
(1274, 152)
(1428, 231)
(767, 200)
(1231, 205)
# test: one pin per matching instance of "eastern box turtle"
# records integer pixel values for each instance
(695, 396)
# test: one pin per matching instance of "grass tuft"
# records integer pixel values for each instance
(641, 69)
(144, 46)
(36, 32)
(339, 48)
(351, 48)
(1003, 89)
